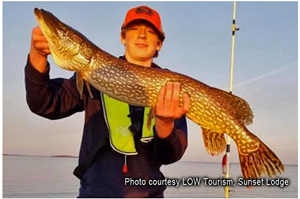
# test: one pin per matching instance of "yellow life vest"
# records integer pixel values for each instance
(118, 123)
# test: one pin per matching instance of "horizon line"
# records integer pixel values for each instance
(73, 156)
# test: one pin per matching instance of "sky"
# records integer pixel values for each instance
(198, 44)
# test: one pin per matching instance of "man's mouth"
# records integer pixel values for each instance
(141, 45)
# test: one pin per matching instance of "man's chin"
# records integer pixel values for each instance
(143, 57)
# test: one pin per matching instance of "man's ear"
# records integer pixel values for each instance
(159, 45)
(122, 38)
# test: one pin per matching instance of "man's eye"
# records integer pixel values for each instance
(151, 31)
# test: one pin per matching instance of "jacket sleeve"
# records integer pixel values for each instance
(51, 98)
(172, 148)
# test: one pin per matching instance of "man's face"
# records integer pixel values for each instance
(141, 41)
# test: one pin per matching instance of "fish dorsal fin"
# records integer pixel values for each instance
(239, 106)
(214, 142)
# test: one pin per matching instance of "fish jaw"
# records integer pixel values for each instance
(47, 23)
(69, 48)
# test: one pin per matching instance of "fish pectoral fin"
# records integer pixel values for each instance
(89, 89)
(151, 115)
(214, 142)
(79, 84)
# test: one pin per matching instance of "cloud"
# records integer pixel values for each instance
(277, 71)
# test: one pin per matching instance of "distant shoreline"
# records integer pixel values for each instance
(70, 156)
(51, 156)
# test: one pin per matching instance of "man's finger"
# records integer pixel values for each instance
(175, 96)
(40, 38)
(37, 30)
(185, 108)
(168, 96)
(186, 103)
(160, 99)
(42, 48)
(47, 51)
(41, 45)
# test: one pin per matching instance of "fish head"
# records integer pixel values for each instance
(69, 48)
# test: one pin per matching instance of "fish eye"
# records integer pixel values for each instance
(62, 31)
(65, 32)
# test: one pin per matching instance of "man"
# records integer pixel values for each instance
(113, 163)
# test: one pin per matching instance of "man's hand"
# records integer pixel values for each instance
(167, 108)
(39, 50)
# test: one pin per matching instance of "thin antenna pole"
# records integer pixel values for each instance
(234, 28)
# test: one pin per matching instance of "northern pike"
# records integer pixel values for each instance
(217, 112)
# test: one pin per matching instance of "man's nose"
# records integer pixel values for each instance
(142, 33)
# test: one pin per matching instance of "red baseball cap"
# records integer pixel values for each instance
(145, 13)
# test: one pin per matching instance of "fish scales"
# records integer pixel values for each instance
(217, 112)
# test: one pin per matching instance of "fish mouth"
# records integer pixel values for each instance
(47, 21)
(38, 15)
(41, 14)
(37, 12)
(48, 24)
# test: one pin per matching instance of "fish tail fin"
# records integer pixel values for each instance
(214, 142)
(259, 162)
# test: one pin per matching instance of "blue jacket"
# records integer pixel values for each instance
(59, 98)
